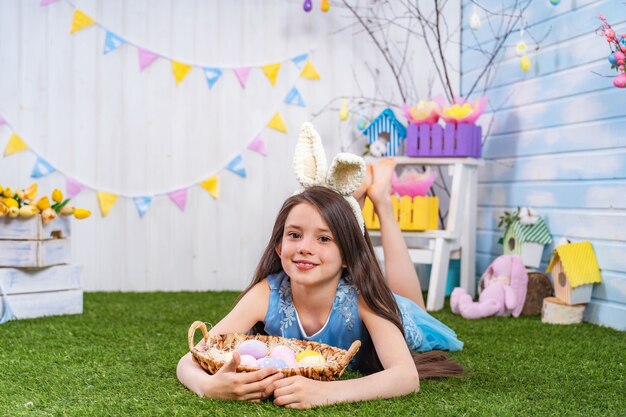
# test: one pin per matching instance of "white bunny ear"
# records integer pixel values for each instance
(346, 173)
(309, 160)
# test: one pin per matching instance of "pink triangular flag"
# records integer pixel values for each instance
(73, 187)
(179, 197)
(47, 2)
(258, 145)
(146, 58)
(242, 75)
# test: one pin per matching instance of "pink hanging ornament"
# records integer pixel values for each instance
(620, 81)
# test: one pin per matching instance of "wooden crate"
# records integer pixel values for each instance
(20, 228)
(28, 243)
(42, 292)
(412, 214)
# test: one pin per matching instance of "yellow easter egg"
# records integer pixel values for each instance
(307, 353)
(525, 63)
(311, 361)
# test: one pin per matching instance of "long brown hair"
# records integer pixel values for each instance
(363, 269)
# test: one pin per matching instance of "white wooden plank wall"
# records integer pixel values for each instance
(557, 142)
(101, 121)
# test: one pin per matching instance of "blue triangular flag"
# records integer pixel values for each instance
(212, 74)
(142, 204)
(112, 42)
(300, 60)
(294, 97)
(41, 168)
(8, 313)
(233, 166)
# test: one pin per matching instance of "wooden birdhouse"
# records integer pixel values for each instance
(574, 271)
(386, 129)
(527, 241)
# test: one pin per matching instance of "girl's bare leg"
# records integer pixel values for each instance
(399, 269)
(360, 194)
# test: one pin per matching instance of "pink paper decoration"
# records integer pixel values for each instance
(73, 187)
(258, 145)
(179, 197)
(146, 58)
(242, 75)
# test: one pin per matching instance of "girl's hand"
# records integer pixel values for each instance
(301, 392)
(227, 384)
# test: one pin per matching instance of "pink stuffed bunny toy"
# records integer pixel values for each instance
(506, 282)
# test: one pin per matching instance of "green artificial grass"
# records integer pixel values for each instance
(119, 359)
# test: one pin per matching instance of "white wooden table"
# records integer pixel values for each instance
(457, 240)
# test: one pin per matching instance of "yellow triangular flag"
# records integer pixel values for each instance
(180, 70)
(277, 123)
(212, 186)
(106, 201)
(14, 145)
(309, 71)
(81, 21)
(271, 72)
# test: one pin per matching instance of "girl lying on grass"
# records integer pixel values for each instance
(318, 279)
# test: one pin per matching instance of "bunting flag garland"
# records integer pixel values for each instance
(294, 97)
(179, 197)
(146, 58)
(258, 145)
(142, 204)
(73, 187)
(112, 42)
(212, 186)
(309, 71)
(277, 123)
(271, 72)
(300, 60)
(106, 201)
(14, 145)
(180, 71)
(81, 21)
(41, 168)
(212, 75)
(235, 166)
(242, 75)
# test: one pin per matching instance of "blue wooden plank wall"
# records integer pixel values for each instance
(558, 138)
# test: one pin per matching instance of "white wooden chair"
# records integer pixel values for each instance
(457, 240)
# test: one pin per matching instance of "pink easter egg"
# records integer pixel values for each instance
(247, 360)
(619, 55)
(620, 81)
(285, 354)
(253, 347)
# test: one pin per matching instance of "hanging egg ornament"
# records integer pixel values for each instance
(325, 5)
(620, 81)
(520, 48)
(343, 111)
(622, 41)
(307, 6)
(525, 63)
(612, 58)
(361, 124)
(555, 2)
(475, 22)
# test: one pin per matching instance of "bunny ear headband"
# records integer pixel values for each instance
(344, 175)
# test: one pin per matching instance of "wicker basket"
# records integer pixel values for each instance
(336, 359)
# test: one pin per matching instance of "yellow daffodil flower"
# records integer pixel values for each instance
(4, 209)
(28, 211)
(68, 210)
(57, 195)
(13, 211)
(11, 202)
(81, 213)
(31, 192)
(8, 192)
(43, 203)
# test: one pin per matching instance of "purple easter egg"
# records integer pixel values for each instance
(249, 360)
(253, 347)
(272, 363)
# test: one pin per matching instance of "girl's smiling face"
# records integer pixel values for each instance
(308, 251)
